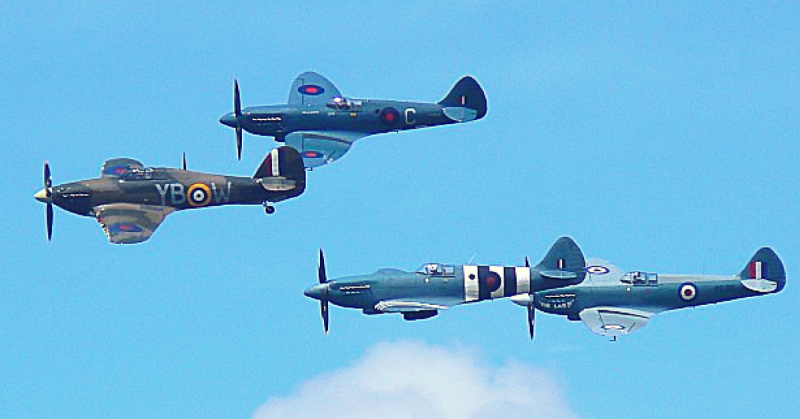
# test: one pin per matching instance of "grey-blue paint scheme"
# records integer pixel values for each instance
(422, 293)
(322, 124)
(614, 303)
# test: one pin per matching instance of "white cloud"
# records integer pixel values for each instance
(415, 380)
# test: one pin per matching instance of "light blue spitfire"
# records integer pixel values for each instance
(322, 124)
(437, 286)
(614, 303)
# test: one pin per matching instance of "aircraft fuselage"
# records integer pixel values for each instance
(670, 293)
(366, 116)
(166, 187)
(457, 284)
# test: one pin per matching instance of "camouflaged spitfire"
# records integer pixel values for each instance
(130, 200)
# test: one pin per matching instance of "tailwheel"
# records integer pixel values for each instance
(269, 209)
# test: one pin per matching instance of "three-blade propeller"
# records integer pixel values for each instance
(323, 302)
(237, 113)
(48, 193)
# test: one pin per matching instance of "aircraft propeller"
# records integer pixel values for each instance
(184, 161)
(48, 193)
(531, 309)
(323, 302)
(237, 113)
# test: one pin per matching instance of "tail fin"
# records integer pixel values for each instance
(467, 93)
(563, 261)
(764, 272)
(282, 170)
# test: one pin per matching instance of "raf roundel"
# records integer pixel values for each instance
(199, 195)
(125, 228)
(688, 291)
(390, 116)
(311, 89)
(491, 281)
(597, 270)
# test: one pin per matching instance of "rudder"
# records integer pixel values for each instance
(282, 170)
(565, 255)
(765, 264)
(467, 93)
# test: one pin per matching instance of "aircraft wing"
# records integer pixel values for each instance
(614, 321)
(130, 223)
(322, 147)
(408, 306)
(312, 89)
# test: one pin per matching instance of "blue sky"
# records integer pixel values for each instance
(660, 137)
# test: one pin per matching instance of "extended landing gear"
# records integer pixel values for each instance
(269, 209)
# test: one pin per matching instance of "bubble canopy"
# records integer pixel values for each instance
(436, 269)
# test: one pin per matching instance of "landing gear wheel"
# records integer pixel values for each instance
(269, 209)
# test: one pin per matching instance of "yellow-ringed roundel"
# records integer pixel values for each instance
(199, 195)
(688, 291)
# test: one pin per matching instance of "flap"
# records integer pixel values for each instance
(614, 321)
(130, 223)
(120, 166)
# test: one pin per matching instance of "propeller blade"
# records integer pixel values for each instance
(323, 306)
(184, 161)
(531, 321)
(237, 104)
(322, 275)
(527, 263)
(48, 183)
(239, 142)
(49, 221)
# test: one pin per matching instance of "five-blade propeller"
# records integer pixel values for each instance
(237, 113)
(323, 301)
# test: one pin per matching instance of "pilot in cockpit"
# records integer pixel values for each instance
(340, 102)
(433, 269)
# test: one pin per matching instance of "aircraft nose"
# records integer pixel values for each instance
(41, 196)
(316, 292)
(228, 119)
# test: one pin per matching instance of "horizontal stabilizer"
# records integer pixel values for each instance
(558, 274)
(277, 184)
(760, 285)
(460, 114)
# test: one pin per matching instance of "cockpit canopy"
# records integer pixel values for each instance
(138, 173)
(345, 104)
(436, 269)
(639, 278)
